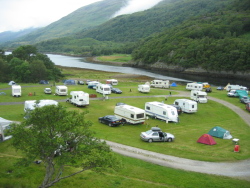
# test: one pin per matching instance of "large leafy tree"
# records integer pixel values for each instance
(61, 138)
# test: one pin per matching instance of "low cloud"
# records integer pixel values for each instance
(136, 6)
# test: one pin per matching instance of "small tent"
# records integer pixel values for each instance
(220, 133)
(70, 82)
(206, 139)
(12, 83)
(242, 93)
(173, 84)
(43, 82)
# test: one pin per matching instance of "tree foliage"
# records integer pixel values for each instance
(61, 138)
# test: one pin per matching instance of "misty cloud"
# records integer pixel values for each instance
(136, 6)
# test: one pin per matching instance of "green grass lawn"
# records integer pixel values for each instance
(136, 173)
(116, 58)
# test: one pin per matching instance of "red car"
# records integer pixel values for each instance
(248, 107)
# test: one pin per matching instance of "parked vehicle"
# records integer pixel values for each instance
(248, 107)
(111, 120)
(61, 90)
(47, 91)
(144, 88)
(103, 89)
(156, 135)
(194, 86)
(198, 96)
(161, 111)
(160, 83)
(16, 91)
(119, 103)
(92, 84)
(4, 126)
(79, 98)
(235, 87)
(187, 105)
(112, 82)
(206, 85)
(208, 90)
(220, 88)
(116, 90)
(80, 82)
(245, 99)
(178, 108)
(131, 114)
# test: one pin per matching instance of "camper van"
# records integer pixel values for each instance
(103, 89)
(79, 98)
(16, 91)
(161, 111)
(187, 105)
(160, 83)
(61, 90)
(198, 96)
(92, 84)
(194, 86)
(113, 82)
(32, 104)
(236, 87)
(130, 114)
(144, 88)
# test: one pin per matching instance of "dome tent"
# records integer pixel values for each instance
(173, 84)
(206, 139)
(220, 133)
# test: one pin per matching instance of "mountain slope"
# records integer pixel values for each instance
(82, 19)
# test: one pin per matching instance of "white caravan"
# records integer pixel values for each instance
(32, 104)
(16, 91)
(160, 83)
(93, 84)
(194, 86)
(144, 88)
(61, 90)
(104, 89)
(113, 82)
(198, 96)
(187, 105)
(79, 98)
(161, 111)
(131, 114)
(4, 125)
(235, 87)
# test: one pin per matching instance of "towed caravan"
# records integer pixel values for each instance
(144, 88)
(130, 114)
(103, 89)
(187, 105)
(16, 91)
(235, 87)
(194, 86)
(61, 90)
(79, 98)
(160, 83)
(161, 111)
(113, 82)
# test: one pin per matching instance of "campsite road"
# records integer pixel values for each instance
(239, 169)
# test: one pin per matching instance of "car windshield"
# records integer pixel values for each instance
(148, 132)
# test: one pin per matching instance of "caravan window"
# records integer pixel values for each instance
(192, 106)
(140, 115)
(63, 90)
(147, 107)
(172, 112)
(106, 89)
(164, 112)
(80, 99)
(176, 103)
(132, 115)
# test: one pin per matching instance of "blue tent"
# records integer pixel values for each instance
(69, 82)
(173, 84)
(43, 82)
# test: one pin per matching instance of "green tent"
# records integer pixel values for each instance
(220, 133)
(241, 93)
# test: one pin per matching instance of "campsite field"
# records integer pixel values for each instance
(136, 172)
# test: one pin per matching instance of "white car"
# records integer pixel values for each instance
(47, 91)
(156, 135)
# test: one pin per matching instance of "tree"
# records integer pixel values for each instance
(61, 138)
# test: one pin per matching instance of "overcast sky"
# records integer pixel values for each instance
(16, 15)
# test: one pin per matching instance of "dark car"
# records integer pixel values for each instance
(120, 103)
(111, 120)
(220, 88)
(116, 90)
(208, 90)
(245, 99)
(179, 110)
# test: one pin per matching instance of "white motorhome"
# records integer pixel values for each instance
(144, 88)
(103, 89)
(131, 114)
(235, 87)
(198, 96)
(16, 91)
(32, 104)
(79, 98)
(187, 105)
(160, 83)
(61, 90)
(194, 86)
(161, 111)
(112, 82)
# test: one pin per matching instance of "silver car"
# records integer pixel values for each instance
(156, 135)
